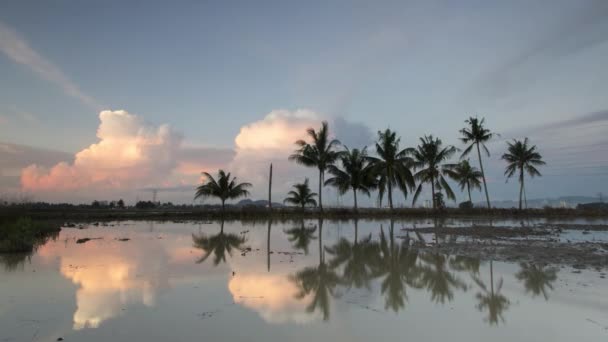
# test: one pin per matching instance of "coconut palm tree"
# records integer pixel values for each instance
(392, 166)
(301, 237)
(320, 153)
(476, 135)
(429, 158)
(537, 278)
(218, 245)
(356, 173)
(467, 177)
(224, 188)
(522, 157)
(302, 195)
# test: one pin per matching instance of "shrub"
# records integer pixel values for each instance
(466, 205)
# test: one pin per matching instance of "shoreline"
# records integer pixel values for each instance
(287, 214)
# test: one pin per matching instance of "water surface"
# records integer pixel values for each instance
(298, 281)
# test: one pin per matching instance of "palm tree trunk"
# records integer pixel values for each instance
(390, 194)
(355, 196)
(521, 186)
(483, 176)
(320, 190)
(433, 190)
(469, 190)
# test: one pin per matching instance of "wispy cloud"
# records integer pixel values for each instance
(17, 49)
(579, 30)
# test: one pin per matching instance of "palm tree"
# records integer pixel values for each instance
(537, 278)
(301, 237)
(429, 157)
(320, 153)
(218, 244)
(302, 195)
(467, 177)
(521, 157)
(224, 188)
(319, 281)
(495, 302)
(392, 166)
(475, 135)
(356, 173)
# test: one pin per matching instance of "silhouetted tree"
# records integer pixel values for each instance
(491, 300)
(356, 173)
(522, 157)
(224, 188)
(301, 196)
(467, 177)
(392, 166)
(475, 135)
(320, 153)
(429, 158)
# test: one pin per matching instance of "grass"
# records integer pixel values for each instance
(260, 213)
(24, 235)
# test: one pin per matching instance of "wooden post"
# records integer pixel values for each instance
(270, 189)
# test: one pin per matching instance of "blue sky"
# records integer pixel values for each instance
(210, 68)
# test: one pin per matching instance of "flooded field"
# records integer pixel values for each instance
(304, 281)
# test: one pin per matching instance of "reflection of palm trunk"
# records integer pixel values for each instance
(356, 230)
(222, 227)
(321, 256)
(491, 278)
(268, 245)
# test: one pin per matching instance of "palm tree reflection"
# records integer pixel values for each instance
(491, 300)
(537, 278)
(397, 263)
(300, 237)
(218, 245)
(437, 279)
(319, 281)
(358, 259)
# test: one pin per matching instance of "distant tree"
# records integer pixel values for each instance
(224, 188)
(439, 202)
(356, 173)
(475, 135)
(96, 204)
(320, 153)
(522, 157)
(145, 205)
(392, 166)
(302, 195)
(121, 204)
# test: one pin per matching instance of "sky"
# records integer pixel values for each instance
(110, 99)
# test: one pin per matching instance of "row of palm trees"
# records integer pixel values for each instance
(407, 169)
(395, 263)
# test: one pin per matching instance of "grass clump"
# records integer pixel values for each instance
(24, 235)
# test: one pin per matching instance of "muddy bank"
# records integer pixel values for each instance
(529, 245)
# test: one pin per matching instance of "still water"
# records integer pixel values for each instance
(301, 281)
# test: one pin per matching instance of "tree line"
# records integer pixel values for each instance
(408, 170)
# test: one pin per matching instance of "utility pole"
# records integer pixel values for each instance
(270, 189)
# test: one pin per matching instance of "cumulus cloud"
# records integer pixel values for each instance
(129, 153)
(18, 49)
